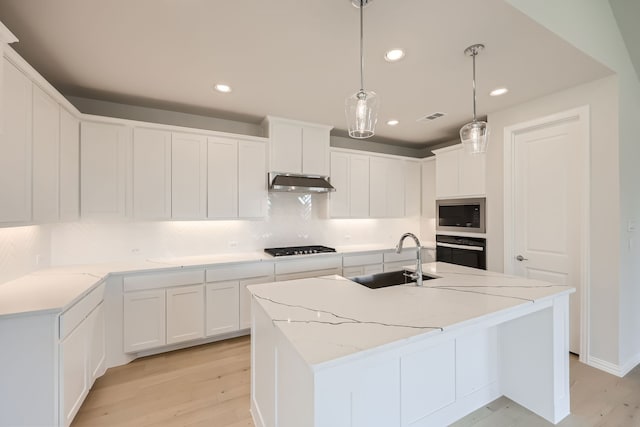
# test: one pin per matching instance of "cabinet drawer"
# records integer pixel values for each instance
(239, 271)
(80, 310)
(307, 274)
(409, 253)
(355, 260)
(309, 264)
(163, 280)
(398, 265)
(352, 271)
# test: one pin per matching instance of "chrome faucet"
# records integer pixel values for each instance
(417, 275)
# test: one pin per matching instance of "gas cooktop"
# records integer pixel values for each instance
(298, 250)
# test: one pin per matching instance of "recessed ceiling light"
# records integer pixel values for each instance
(499, 91)
(392, 122)
(394, 55)
(220, 87)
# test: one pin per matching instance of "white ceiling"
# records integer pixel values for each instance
(296, 58)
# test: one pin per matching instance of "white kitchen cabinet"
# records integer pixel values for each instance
(45, 157)
(151, 174)
(15, 149)
(96, 343)
(104, 154)
(298, 147)
(222, 178)
(459, 174)
(74, 370)
(412, 196)
(188, 176)
(429, 188)
(245, 298)
(144, 320)
(185, 313)
(386, 187)
(350, 177)
(252, 179)
(361, 264)
(69, 166)
(222, 307)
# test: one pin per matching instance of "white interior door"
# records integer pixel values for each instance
(547, 201)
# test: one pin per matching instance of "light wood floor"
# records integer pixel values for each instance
(209, 385)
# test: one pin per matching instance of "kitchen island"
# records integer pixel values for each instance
(328, 352)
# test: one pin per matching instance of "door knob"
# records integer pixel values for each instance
(521, 258)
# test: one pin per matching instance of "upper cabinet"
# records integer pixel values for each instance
(188, 176)
(429, 187)
(151, 174)
(350, 177)
(15, 149)
(459, 174)
(69, 166)
(104, 159)
(297, 147)
(386, 187)
(412, 194)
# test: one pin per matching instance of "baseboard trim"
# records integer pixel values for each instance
(631, 363)
(605, 366)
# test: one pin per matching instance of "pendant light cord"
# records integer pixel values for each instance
(361, 46)
(475, 52)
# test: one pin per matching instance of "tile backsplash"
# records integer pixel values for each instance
(23, 250)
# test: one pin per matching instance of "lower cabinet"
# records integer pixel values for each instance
(362, 264)
(185, 313)
(245, 299)
(144, 320)
(222, 301)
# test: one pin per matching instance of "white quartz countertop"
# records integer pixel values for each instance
(56, 289)
(328, 318)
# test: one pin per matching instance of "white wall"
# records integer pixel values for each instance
(591, 26)
(23, 250)
(292, 220)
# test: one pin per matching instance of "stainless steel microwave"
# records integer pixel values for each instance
(461, 215)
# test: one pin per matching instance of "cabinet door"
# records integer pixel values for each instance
(286, 147)
(395, 188)
(46, 148)
(339, 199)
(188, 176)
(359, 186)
(185, 313)
(378, 187)
(472, 174)
(103, 160)
(252, 180)
(447, 166)
(429, 188)
(95, 344)
(315, 151)
(73, 363)
(15, 147)
(412, 188)
(151, 174)
(144, 320)
(222, 307)
(245, 299)
(222, 178)
(69, 167)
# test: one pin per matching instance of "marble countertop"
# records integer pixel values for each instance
(57, 288)
(329, 318)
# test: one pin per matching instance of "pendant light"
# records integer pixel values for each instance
(361, 108)
(474, 135)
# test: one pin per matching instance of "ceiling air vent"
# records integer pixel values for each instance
(430, 117)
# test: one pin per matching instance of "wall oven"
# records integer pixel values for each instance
(461, 215)
(467, 251)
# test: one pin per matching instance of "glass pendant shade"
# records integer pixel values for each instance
(474, 137)
(361, 110)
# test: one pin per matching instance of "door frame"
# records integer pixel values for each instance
(582, 116)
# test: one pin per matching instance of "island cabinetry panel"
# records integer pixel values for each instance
(188, 176)
(350, 177)
(297, 147)
(364, 264)
(459, 174)
(185, 313)
(46, 157)
(69, 166)
(82, 352)
(16, 146)
(230, 309)
(103, 169)
(151, 174)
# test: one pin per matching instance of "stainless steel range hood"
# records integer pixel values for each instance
(299, 183)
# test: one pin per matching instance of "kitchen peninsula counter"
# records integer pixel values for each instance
(464, 338)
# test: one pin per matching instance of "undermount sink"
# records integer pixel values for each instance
(389, 278)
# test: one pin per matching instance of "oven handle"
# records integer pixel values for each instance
(451, 245)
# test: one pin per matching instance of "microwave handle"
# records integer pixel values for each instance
(451, 245)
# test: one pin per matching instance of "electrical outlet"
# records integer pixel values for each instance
(632, 226)
(233, 244)
(38, 260)
(347, 237)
